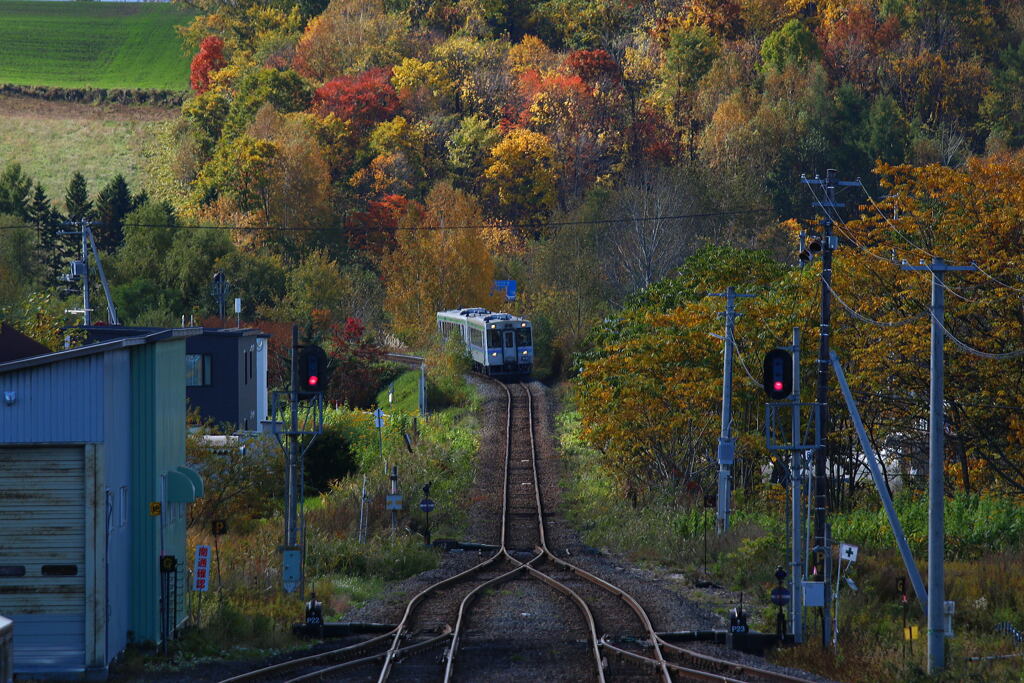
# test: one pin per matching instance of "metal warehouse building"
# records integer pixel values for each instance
(89, 438)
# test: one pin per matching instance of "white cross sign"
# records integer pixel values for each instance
(847, 552)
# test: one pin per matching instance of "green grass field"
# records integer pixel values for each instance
(92, 44)
(52, 140)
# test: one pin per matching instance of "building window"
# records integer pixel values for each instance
(197, 370)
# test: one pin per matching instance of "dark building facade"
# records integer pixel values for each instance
(225, 372)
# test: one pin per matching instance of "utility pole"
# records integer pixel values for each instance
(796, 473)
(936, 447)
(86, 308)
(726, 445)
(81, 269)
(292, 559)
(827, 244)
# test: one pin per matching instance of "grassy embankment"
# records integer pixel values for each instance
(984, 570)
(86, 45)
(248, 616)
(52, 140)
(92, 44)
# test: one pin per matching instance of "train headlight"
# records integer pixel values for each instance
(525, 352)
(494, 353)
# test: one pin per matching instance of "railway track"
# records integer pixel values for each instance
(460, 627)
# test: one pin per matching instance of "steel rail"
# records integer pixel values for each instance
(407, 650)
(356, 649)
(601, 583)
(735, 668)
(684, 672)
(541, 552)
(541, 549)
(385, 672)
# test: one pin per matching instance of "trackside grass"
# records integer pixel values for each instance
(984, 567)
(92, 44)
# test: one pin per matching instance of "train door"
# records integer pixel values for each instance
(509, 348)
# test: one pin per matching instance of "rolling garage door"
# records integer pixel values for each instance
(42, 556)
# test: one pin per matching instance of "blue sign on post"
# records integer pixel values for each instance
(507, 286)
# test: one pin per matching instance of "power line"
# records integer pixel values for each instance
(892, 225)
(739, 355)
(426, 228)
(864, 318)
(970, 349)
(925, 251)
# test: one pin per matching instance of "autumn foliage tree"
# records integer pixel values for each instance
(363, 100)
(440, 262)
(521, 176)
(209, 59)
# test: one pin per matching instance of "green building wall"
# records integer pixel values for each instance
(157, 446)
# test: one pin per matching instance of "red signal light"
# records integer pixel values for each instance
(778, 386)
(313, 379)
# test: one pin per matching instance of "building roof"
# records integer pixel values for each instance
(15, 345)
(158, 335)
(111, 331)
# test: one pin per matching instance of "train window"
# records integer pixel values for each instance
(476, 337)
(12, 570)
(523, 337)
(493, 339)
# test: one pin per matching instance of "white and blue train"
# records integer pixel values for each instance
(500, 344)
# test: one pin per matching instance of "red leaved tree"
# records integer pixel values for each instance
(593, 66)
(356, 364)
(373, 230)
(209, 59)
(363, 99)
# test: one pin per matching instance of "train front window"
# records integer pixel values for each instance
(523, 337)
(493, 339)
(510, 340)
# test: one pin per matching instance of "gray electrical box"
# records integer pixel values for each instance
(291, 570)
(77, 268)
(814, 594)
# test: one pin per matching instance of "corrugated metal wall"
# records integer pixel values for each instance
(55, 403)
(158, 445)
(116, 455)
(43, 511)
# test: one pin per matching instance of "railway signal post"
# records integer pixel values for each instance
(726, 445)
(826, 244)
(308, 378)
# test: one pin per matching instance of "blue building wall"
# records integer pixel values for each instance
(126, 405)
(55, 403)
(117, 460)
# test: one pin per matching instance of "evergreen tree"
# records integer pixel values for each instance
(15, 187)
(53, 249)
(76, 200)
(113, 203)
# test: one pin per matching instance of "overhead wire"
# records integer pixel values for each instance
(739, 355)
(925, 251)
(967, 348)
(425, 228)
(840, 225)
(864, 318)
